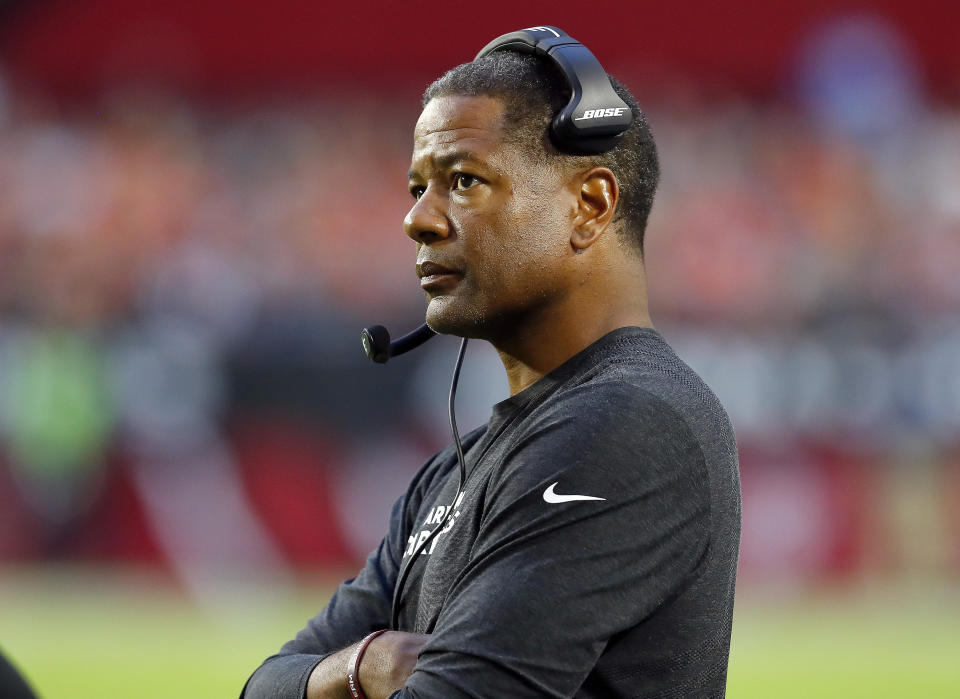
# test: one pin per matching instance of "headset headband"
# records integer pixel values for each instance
(595, 117)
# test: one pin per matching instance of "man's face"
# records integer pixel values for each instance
(491, 225)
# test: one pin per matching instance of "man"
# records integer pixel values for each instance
(593, 551)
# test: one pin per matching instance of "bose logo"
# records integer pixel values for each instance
(598, 113)
(542, 29)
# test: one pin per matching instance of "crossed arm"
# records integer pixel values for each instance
(386, 665)
(546, 585)
(314, 664)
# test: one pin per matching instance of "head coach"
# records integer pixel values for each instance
(584, 542)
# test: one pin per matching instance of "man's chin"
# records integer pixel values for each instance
(448, 317)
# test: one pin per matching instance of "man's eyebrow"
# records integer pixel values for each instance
(442, 162)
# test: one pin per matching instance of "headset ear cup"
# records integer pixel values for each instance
(577, 144)
(595, 118)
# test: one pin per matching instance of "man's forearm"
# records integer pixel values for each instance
(329, 679)
(385, 667)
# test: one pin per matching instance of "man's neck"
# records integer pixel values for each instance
(606, 289)
(530, 355)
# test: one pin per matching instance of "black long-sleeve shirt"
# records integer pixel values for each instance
(625, 591)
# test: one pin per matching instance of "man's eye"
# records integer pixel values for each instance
(416, 192)
(462, 181)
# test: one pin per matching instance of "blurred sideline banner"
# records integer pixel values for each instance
(813, 513)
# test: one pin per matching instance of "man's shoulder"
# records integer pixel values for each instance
(635, 405)
(628, 391)
(644, 382)
(605, 436)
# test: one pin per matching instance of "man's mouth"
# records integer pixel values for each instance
(432, 274)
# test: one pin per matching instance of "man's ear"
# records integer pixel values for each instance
(596, 205)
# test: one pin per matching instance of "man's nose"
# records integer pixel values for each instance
(426, 222)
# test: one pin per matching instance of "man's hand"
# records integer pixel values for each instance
(389, 661)
(385, 667)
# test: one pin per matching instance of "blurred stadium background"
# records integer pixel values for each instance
(200, 206)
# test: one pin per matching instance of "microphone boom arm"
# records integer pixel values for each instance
(379, 348)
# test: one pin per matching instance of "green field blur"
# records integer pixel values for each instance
(80, 634)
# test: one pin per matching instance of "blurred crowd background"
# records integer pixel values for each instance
(198, 213)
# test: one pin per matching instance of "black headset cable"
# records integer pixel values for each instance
(451, 412)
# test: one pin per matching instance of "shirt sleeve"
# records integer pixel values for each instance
(359, 606)
(552, 578)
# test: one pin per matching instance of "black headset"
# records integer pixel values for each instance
(593, 121)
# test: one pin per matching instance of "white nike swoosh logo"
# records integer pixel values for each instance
(552, 497)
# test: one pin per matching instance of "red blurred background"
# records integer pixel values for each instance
(247, 47)
(200, 206)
